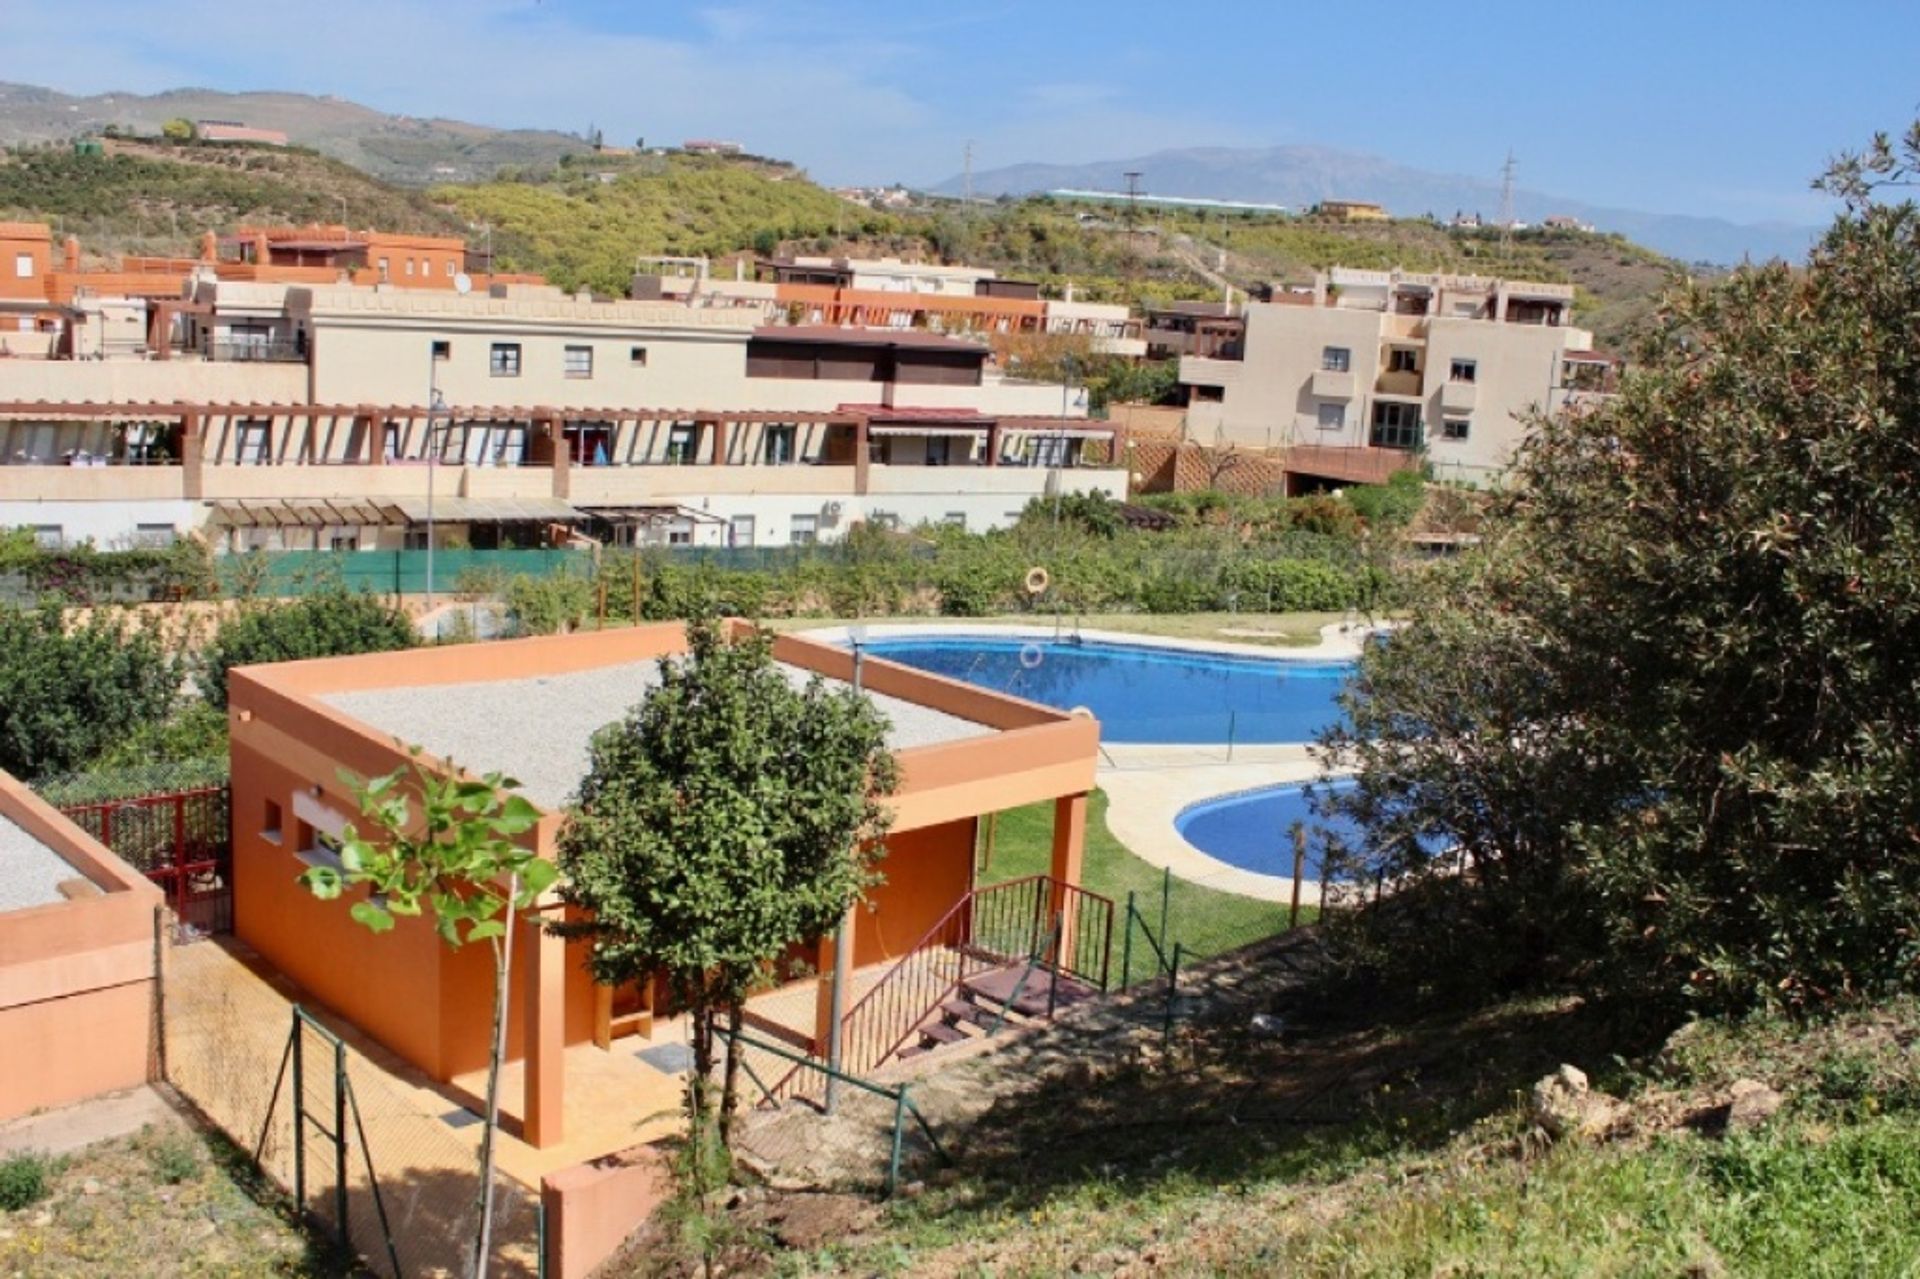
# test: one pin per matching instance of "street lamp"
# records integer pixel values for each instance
(436, 405)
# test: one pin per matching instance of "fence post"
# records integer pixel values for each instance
(1299, 869)
(180, 854)
(1126, 947)
(340, 1143)
(1173, 991)
(160, 991)
(1166, 905)
(299, 1118)
(899, 1129)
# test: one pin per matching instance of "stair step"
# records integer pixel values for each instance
(957, 1011)
(940, 1032)
(1041, 988)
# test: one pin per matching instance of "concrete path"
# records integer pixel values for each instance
(70, 1128)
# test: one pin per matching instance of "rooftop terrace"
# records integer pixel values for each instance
(30, 872)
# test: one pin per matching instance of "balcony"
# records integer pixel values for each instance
(1459, 397)
(1332, 384)
(254, 353)
(1405, 385)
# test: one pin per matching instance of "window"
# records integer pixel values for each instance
(637, 356)
(804, 530)
(681, 440)
(883, 519)
(1463, 371)
(740, 531)
(442, 349)
(450, 271)
(1453, 428)
(954, 519)
(154, 535)
(680, 532)
(1332, 416)
(416, 538)
(344, 541)
(270, 823)
(1396, 426)
(505, 359)
(23, 266)
(777, 445)
(409, 266)
(579, 361)
(49, 537)
(1403, 359)
(251, 442)
(1336, 359)
(383, 269)
(939, 450)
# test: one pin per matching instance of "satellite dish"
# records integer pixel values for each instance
(463, 283)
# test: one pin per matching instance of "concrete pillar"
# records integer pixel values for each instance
(192, 447)
(543, 960)
(834, 962)
(1069, 859)
(549, 424)
(993, 445)
(720, 429)
(860, 462)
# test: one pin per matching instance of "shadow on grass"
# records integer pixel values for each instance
(1221, 1101)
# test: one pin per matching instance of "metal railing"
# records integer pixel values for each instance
(1038, 921)
(254, 352)
(180, 841)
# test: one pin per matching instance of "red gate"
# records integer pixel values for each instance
(178, 840)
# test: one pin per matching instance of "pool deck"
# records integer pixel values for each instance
(1148, 784)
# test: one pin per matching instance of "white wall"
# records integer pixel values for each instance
(109, 525)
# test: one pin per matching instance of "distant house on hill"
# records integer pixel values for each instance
(1352, 210)
(234, 131)
(711, 146)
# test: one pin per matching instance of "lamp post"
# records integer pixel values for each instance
(436, 405)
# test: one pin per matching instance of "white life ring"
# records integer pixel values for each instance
(1031, 655)
(1038, 580)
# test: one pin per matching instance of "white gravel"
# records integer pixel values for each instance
(538, 729)
(30, 872)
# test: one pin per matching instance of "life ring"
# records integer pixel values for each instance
(1038, 580)
(1031, 655)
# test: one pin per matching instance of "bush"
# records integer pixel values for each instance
(68, 693)
(332, 623)
(174, 1158)
(549, 605)
(24, 1179)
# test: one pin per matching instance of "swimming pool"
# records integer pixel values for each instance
(1254, 830)
(1142, 693)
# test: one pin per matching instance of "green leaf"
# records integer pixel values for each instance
(486, 929)
(375, 918)
(322, 881)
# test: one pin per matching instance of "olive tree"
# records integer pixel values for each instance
(730, 816)
(1669, 721)
(444, 845)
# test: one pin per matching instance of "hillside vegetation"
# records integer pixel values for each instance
(584, 220)
(159, 198)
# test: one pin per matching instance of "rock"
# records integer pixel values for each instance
(1269, 1025)
(1753, 1104)
(1566, 1107)
(90, 1187)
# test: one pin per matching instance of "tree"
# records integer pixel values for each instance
(1670, 721)
(458, 859)
(728, 818)
(330, 623)
(179, 130)
(68, 692)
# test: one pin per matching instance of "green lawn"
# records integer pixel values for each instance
(1203, 921)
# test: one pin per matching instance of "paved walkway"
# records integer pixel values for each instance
(57, 1132)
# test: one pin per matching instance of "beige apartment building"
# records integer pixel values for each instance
(1444, 367)
(322, 417)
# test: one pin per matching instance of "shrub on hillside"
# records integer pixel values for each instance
(1668, 721)
(332, 623)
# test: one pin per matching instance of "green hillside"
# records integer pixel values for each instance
(583, 222)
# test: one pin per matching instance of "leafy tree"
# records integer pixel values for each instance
(728, 818)
(1671, 720)
(179, 129)
(446, 845)
(68, 692)
(330, 623)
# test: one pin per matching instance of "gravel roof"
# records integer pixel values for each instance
(538, 729)
(30, 872)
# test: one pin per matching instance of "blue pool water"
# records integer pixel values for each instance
(1141, 693)
(1254, 830)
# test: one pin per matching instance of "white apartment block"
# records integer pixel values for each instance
(300, 417)
(1445, 367)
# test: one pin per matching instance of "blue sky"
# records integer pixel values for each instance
(1692, 106)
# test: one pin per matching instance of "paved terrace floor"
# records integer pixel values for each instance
(487, 725)
(30, 872)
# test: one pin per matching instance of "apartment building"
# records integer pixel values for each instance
(1373, 364)
(528, 414)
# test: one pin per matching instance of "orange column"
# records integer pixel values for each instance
(860, 462)
(720, 432)
(556, 431)
(993, 445)
(544, 961)
(192, 459)
(1069, 856)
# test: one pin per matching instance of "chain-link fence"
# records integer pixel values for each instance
(376, 1163)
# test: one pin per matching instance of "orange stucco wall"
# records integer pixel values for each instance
(927, 871)
(77, 976)
(32, 239)
(593, 1207)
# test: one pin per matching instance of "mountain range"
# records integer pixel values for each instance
(394, 148)
(1304, 175)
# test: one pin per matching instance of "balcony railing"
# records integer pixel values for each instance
(254, 352)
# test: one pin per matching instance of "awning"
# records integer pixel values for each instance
(489, 510)
(650, 515)
(305, 513)
(969, 432)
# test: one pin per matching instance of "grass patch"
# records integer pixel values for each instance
(1204, 921)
